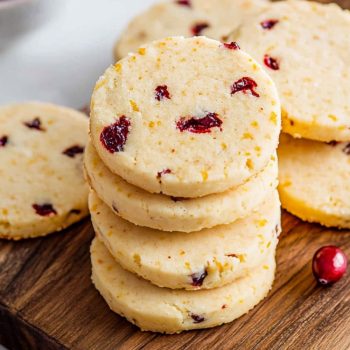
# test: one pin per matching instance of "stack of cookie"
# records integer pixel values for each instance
(303, 47)
(183, 169)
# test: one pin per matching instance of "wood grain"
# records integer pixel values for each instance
(47, 300)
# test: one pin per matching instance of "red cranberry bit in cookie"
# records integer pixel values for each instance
(269, 23)
(162, 93)
(199, 125)
(34, 124)
(197, 318)
(198, 278)
(3, 141)
(44, 209)
(184, 3)
(346, 149)
(163, 172)
(329, 265)
(198, 28)
(271, 62)
(114, 136)
(245, 84)
(73, 151)
(232, 46)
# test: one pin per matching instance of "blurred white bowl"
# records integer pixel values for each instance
(19, 17)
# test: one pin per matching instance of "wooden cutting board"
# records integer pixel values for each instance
(47, 300)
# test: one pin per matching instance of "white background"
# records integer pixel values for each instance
(60, 61)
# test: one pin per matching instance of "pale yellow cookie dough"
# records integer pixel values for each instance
(206, 259)
(42, 187)
(177, 214)
(314, 180)
(172, 311)
(158, 148)
(308, 42)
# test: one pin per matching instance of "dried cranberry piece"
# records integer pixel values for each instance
(163, 172)
(346, 149)
(198, 28)
(73, 151)
(232, 46)
(245, 84)
(332, 143)
(199, 125)
(3, 140)
(34, 124)
(184, 3)
(269, 23)
(198, 278)
(197, 318)
(45, 209)
(271, 62)
(162, 92)
(114, 136)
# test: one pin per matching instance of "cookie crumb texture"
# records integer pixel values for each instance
(314, 180)
(172, 311)
(205, 259)
(183, 116)
(42, 188)
(302, 45)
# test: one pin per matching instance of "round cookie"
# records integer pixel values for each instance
(172, 311)
(302, 45)
(160, 21)
(163, 118)
(178, 214)
(42, 187)
(200, 260)
(314, 180)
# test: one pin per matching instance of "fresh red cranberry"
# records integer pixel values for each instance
(346, 149)
(199, 125)
(198, 278)
(184, 3)
(163, 172)
(114, 136)
(269, 23)
(243, 85)
(232, 46)
(197, 318)
(34, 124)
(329, 265)
(162, 92)
(44, 209)
(3, 140)
(198, 28)
(73, 151)
(271, 62)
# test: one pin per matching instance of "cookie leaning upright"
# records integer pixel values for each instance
(303, 47)
(314, 181)
(163, 117)
(42, 188)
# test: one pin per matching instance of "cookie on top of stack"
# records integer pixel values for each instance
(302, 46)
(183, 169)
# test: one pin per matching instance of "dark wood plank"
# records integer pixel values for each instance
(47, 300)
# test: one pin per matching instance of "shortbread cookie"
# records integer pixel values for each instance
(160, 21)
(302, 45)
(172, 311)
(171, 119)
(314, 180)
(206, 259)
(178, 214)
(42, 187)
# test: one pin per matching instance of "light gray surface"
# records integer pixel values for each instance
(61, 61)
